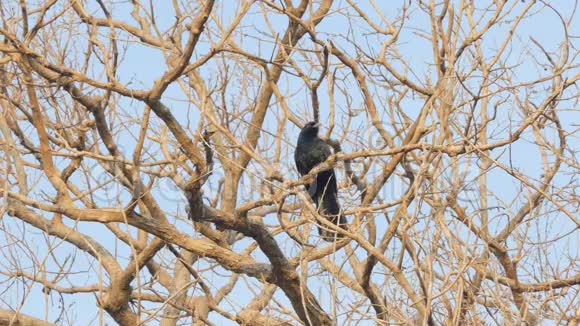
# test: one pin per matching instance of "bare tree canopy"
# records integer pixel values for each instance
(147, 173)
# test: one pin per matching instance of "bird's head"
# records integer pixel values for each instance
(310, 129)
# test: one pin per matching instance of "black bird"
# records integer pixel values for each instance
(311, 151)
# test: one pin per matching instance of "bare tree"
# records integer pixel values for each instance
(146, 171)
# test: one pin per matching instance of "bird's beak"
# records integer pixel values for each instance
(316, 125)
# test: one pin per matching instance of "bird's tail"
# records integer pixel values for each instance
(330, 209)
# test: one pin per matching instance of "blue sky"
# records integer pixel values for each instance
(141, 65)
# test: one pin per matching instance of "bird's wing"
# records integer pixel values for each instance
(324, 148)
(300, 160)
(317, 152)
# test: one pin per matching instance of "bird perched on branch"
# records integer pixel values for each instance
(311, 151)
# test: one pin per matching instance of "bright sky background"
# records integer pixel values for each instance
(142, 65)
